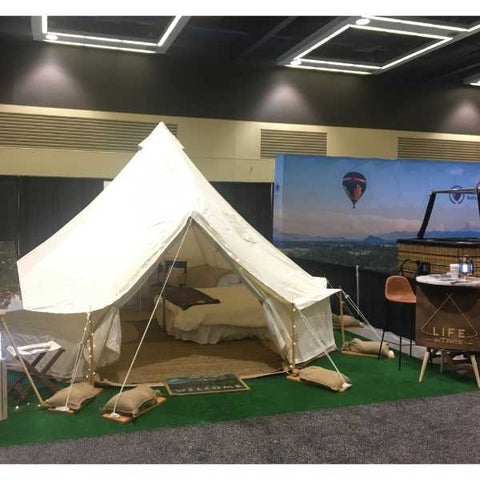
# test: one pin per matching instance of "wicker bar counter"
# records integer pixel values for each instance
(434, 255)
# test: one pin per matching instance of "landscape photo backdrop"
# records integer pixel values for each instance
(351, 211)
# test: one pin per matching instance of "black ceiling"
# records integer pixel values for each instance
(262, 39)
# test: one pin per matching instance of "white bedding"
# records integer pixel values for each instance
(238, 315)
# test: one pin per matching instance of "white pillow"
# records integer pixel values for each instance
(229, 280)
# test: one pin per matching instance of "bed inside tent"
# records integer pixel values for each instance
(232, 334)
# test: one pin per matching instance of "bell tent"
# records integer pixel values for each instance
(158, 208)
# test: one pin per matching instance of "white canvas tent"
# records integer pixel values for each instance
(97, 261)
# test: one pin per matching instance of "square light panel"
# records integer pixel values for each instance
(131, 34)
(371, 45)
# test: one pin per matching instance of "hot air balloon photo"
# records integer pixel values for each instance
(354, 184)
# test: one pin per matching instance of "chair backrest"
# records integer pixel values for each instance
(398, 289)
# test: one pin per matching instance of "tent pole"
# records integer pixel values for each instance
(340, 299)
(19, 356)
(294, 340)
(91, 367)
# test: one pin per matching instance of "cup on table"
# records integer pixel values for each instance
(454, 269)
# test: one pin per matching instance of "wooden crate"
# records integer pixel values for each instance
(437, 253)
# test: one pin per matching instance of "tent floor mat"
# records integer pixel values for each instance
(163, 356)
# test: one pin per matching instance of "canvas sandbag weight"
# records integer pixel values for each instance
(77, 395)
(133, 401)
(368, 347)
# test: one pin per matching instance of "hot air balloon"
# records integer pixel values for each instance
(354, 184)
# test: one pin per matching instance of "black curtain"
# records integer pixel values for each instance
(8, 208)
(372, 302)
(34, 208)
(46, 204)
(253, 201)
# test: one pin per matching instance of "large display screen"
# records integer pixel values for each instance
(351, 211)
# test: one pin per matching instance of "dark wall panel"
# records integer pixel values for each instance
(35, 73)
(8, 208)
(253, 201)
(47, 204)
(34, 208)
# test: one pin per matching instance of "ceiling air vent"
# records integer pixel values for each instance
(436, 149)
(288, 141)
(73, 133)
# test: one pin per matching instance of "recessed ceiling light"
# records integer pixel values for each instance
(401, 32)
(102, 39)
(363, 21)
(169, 30)
(44, 24)
(111, 43)
(107, 47)
(296, 62)
(345, 64)
(375, 24)
(324, 69)
(420, 24)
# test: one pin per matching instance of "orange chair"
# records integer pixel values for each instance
(398, 290)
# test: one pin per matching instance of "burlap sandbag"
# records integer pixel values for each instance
(133, 401)
(79, 394)
(328, 378)
(348, 321)
(367, 347)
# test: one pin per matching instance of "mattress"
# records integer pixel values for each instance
(238, 315)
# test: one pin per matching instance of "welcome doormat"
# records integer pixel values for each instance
(198, 384)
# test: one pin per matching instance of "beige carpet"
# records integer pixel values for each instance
(161, 356)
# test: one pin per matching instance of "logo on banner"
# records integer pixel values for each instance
(456, 197)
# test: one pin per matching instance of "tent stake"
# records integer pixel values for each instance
(19, 356)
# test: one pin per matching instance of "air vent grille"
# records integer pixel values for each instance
(75, 133)
(438, 149)
(288, 141)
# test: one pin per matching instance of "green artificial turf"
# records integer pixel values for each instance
(373, 381)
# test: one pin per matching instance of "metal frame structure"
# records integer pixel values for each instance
(431, 202)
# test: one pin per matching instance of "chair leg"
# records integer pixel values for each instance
(400, 353)
(473, 359)
(426, 356)
(383, 336)
(412, 333)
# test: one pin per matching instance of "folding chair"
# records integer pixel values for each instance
(40, 350)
